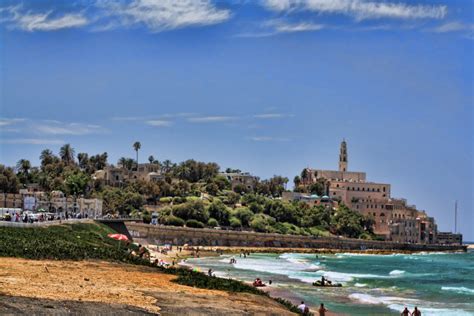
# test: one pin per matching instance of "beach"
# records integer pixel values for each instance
(88, 287)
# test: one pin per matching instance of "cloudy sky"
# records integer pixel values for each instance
(268, 86)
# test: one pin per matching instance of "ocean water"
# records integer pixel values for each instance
(438, 283)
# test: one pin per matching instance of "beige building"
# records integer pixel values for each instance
(117, 176)
(394, 218)
(448, 238)
(310, 199)
(56, 202)
(241, 178)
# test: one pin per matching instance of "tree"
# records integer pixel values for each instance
(76, 183)
(151, 159)
(297, 181)
(126, 163)
(98, 162)
(23, 166)
(9, 182)
(83, 160)
(46, 157)
(219, 211)
(136, 147)
(67, 154)
(167, 165)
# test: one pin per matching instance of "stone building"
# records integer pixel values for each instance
(55, 202)
(241, 178)
(117, 176)
(373, 199)
(310, 199)
(448, 238)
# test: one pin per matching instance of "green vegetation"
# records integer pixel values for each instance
(69, 241)
(190, 193)
(89, 241)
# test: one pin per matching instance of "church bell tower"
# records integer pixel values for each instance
(343, 156)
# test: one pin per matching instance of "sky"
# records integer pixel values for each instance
(269, 87)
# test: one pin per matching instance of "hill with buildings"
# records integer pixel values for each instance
(199, 194)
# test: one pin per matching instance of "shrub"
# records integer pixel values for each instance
(219, 211)
(194, 223)
(166, 199)
(212, 222)
(179, 200)
(173, 221)
(244, 214)
(235, 222)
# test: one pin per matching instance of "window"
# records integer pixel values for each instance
(384, 189)
(382, 214)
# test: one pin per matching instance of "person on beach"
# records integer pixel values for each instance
(405, 312)
(209, 272)
(322, 310)
(302, 306)
(416, 312)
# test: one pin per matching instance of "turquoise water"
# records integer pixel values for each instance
(438, 283)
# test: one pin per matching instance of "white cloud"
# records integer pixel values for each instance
(282, 27)
(211, 119)
(271, 115)
(159, 123)
(16, 17)
(33, 141)
(59, 128)
(453, 27)
(163, 14)
(360, 9)
(269, 139)
(10, 121)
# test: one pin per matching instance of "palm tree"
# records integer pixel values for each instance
(167, 165)
(137, 147)
(83, 159)
(67, 154)
(23, 166)
(46, 157)
(151, 159)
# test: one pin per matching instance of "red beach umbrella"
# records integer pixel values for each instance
(118, 236)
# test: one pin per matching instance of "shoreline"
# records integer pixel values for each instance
(236, 250)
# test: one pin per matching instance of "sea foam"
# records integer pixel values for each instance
(396, 272)
(460, 289)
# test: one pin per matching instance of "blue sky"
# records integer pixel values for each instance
(269, 87)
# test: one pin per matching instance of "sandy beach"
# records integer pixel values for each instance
(42, 286)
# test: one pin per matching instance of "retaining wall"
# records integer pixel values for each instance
(211, 237)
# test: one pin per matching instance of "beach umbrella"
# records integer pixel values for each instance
(118, 236)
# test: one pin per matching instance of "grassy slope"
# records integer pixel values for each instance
(89, 241)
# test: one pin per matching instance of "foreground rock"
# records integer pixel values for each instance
(96, 287)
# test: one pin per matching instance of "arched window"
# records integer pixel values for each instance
(382, 214)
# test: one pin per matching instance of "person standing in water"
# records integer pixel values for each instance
(322, 310)
(405, 312)
(416, 312)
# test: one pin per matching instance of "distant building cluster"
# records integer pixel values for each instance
(54, 202)
(118, 176)
(395, 219)
(244, 179)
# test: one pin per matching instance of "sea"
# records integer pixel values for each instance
(437, 283)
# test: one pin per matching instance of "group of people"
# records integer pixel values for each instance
(305, 309)
(406, 312)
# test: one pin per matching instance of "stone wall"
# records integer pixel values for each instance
(211, 237)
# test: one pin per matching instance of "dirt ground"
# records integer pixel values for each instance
(96, 287)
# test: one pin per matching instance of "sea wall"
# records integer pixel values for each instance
(211, 237)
